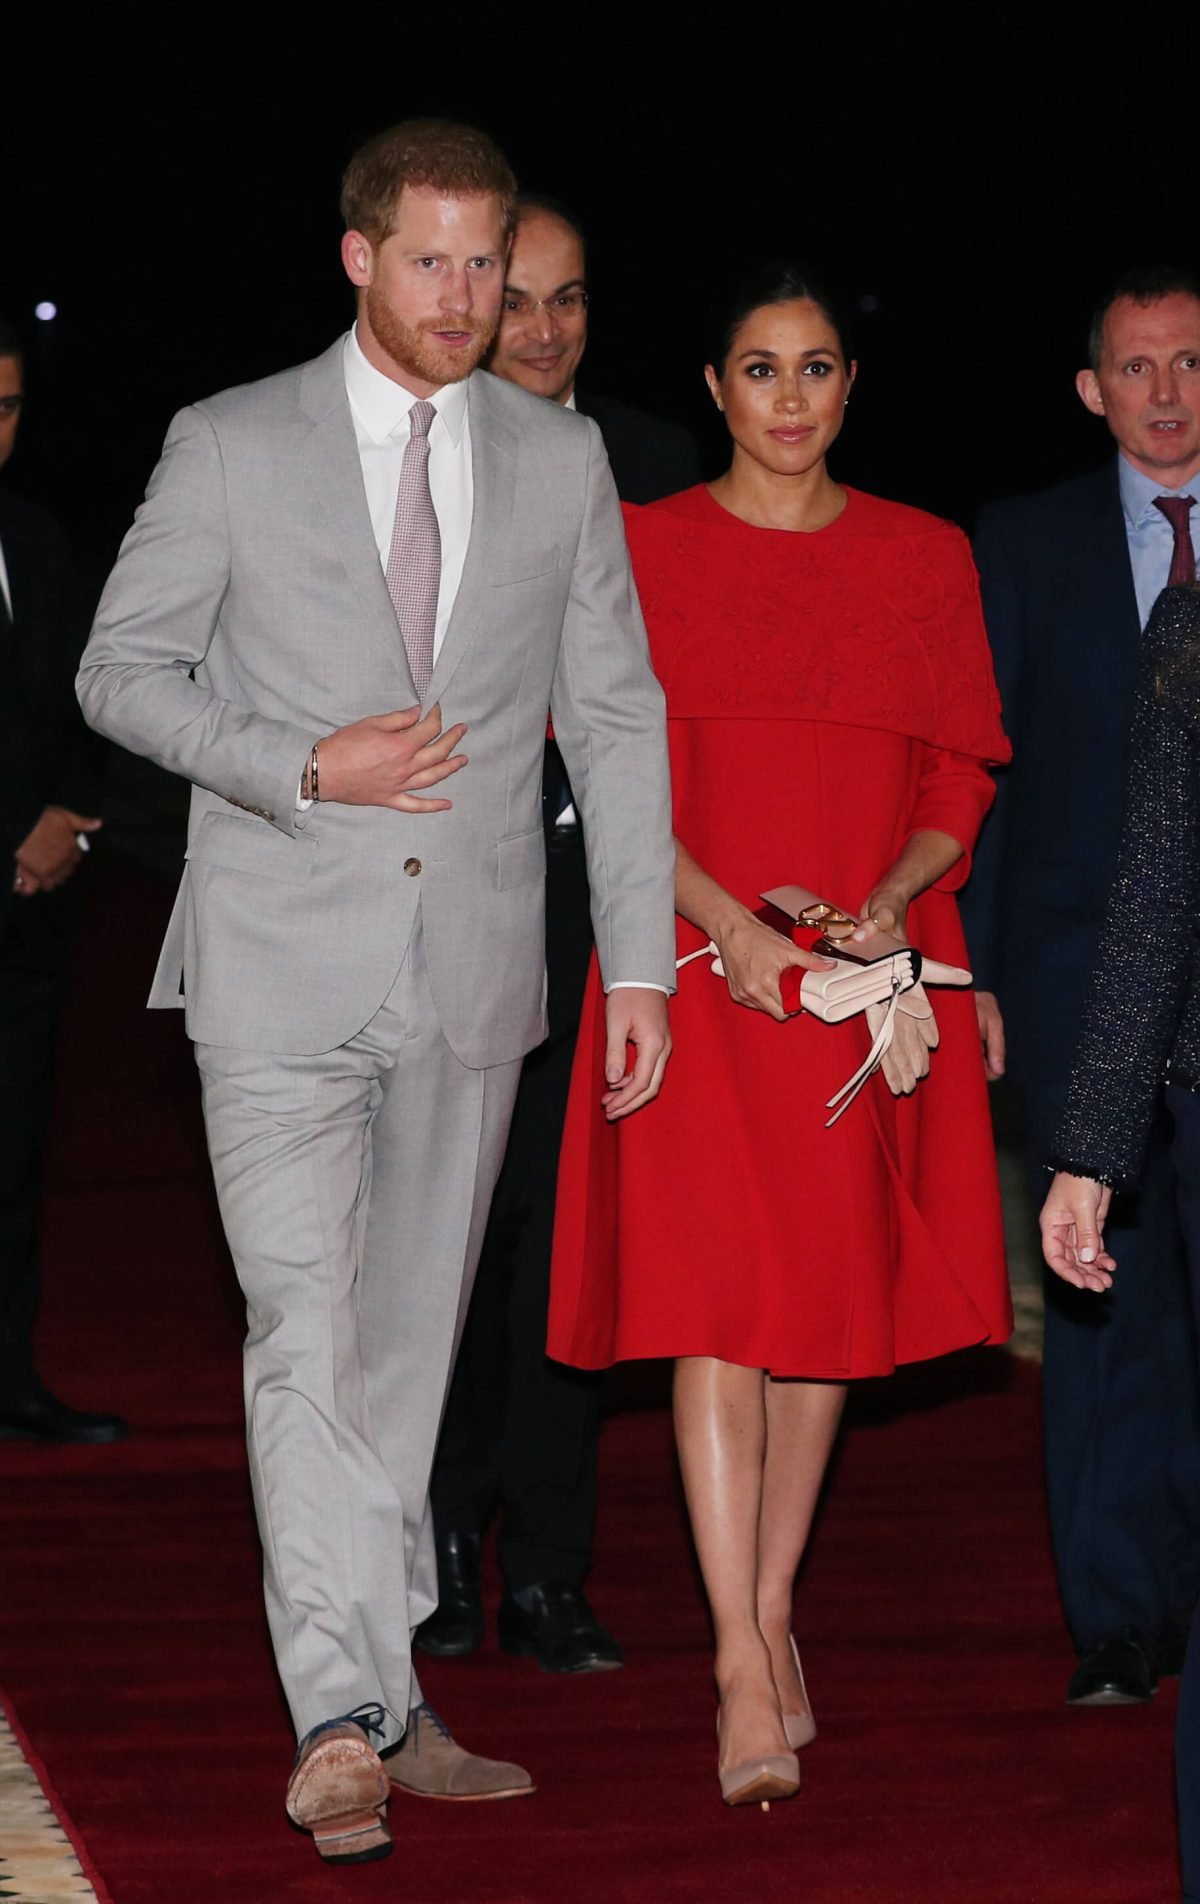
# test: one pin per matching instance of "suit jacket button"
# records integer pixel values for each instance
(412, 867)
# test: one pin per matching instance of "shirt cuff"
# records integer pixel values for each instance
(632, 984)
(302, 805)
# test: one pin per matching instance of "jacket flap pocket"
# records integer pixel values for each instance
(252, 846)
(531, 565)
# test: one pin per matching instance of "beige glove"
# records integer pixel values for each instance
(915, 1035)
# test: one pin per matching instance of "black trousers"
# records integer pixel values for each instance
(1121, 1385)
(33, 949)
(519, 1429)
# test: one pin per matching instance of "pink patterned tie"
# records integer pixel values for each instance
(1177, 509)
(414, 564)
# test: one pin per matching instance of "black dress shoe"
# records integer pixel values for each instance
(457, 1626)
(553, 1623)
(1117, 1672)
(42, 1417)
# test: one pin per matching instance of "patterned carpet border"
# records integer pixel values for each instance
(43, 1860)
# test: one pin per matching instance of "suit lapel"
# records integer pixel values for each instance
(338, 502)
(16, 564)
(493, 473)
(1106, 584)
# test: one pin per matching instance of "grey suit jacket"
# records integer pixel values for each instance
(248, 615)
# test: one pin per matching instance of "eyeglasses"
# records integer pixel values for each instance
(564, 304)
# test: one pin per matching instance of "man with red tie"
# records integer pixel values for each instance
(1069, 577)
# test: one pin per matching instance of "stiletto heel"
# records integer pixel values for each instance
(800, 1728)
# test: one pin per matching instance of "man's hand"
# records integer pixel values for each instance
(991, 1034)
(1072, 1226)
(634, 1015)
(384, 760)
(50, 852)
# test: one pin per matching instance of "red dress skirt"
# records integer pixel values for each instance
(725, 1219)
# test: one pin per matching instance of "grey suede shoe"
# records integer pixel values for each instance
(430, 1764)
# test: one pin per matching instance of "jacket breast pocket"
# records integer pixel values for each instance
(532, 565)
(251, 846)
(520, 860)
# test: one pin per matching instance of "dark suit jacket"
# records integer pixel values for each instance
(47, 755)
(1062, 617)
(649, 458)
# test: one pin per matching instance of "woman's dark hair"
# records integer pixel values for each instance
(782, 281)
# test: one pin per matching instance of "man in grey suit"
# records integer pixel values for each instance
(321, 561)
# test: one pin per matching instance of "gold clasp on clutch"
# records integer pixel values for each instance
(833, 924)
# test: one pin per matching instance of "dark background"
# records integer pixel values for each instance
(171, 183)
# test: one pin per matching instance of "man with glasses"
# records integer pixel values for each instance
(521, 1429)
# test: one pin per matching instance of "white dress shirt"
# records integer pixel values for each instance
(5, 590)
(380, 409)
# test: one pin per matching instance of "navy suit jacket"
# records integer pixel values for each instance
(649, 458)
(1062, 617)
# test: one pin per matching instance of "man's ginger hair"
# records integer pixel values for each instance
(430, 155)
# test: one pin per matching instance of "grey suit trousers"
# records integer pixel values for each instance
(354, 1187)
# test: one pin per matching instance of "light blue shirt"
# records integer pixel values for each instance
(1151, 537)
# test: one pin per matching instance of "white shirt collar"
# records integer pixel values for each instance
(570, 403)
(381, 404)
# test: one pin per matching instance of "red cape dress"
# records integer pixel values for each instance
(827, 696)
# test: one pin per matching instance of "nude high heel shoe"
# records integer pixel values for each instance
(800, 1728)
(758, 1781)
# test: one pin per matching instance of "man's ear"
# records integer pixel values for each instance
(1088, 385)
(358, 258)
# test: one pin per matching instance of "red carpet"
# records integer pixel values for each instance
(134, 1649)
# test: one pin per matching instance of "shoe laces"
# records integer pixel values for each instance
(372, 1718)
(425, 1714)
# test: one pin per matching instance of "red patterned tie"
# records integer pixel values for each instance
(1177, 510)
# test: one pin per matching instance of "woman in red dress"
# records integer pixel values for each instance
(831, 711)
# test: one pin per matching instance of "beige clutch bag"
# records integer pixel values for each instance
(891, 974)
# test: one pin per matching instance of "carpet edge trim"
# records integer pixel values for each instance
(87, 1863)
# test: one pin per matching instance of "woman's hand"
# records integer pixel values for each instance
(926, 857)
(1072, 1226)
(885, 911)
(754, 957)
